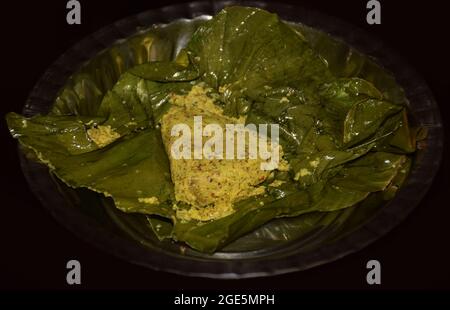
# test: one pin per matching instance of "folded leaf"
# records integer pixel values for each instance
(345, 138)
(246, 50)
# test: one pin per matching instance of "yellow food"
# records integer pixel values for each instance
(149, 200)
(302, 173)
(314, 163)
(209, 186)
(277, 183)
(102, 135)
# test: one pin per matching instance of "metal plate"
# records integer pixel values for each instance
(159, 34)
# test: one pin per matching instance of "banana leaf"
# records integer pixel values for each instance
(346, 139)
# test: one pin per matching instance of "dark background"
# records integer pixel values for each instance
(34, 248)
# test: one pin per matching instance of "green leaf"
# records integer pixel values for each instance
(135, 166)
(164, 72)
(64, 134)
(364, 119)
(210, 236)
(231, 50)
(161, 227)
(370, 173)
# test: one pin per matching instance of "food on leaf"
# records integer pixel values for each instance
(342, 140)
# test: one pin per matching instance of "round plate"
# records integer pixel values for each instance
(95, 219)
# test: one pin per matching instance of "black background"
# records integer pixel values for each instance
(34, 248)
